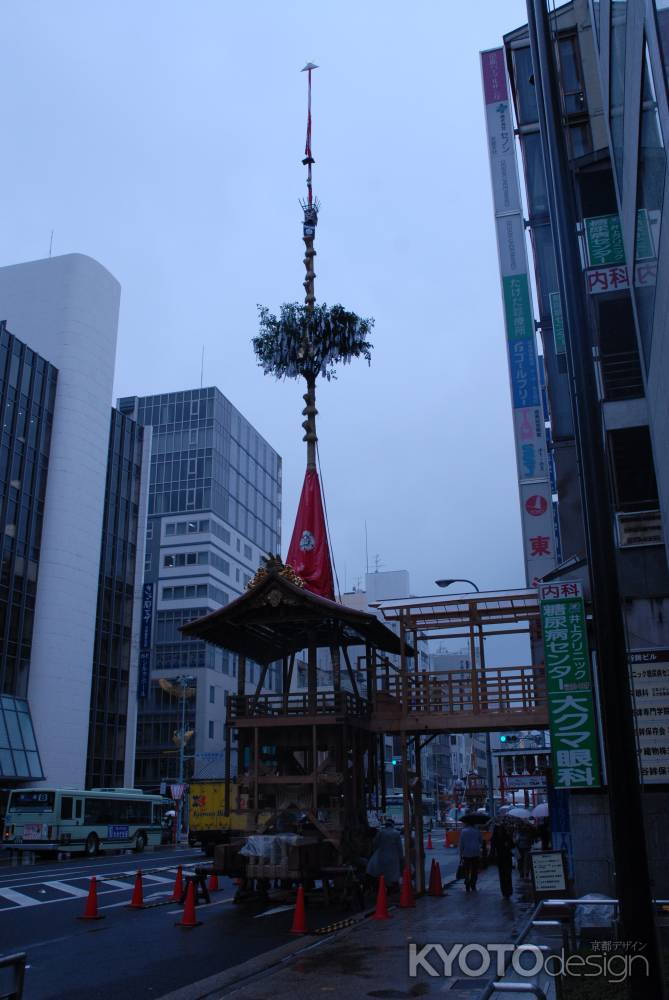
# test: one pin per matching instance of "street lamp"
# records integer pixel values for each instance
(447, 583)
(488, 749)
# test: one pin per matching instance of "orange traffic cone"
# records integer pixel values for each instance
(188, 915)
(299, 916)
(137, 901)
(431, 885)
(381, 911)
(438, 884)
(213, 885)
(429, 842)
(91, 911)
(406, 895)
(178, 887)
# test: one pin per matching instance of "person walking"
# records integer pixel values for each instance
(388, 856)
(524, 838)
(470, 854)
(501, 845)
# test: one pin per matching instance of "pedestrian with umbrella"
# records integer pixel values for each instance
(501, 846)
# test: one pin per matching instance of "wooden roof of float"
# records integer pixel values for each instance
(276, 617)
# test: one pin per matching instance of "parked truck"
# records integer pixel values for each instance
(208, 823)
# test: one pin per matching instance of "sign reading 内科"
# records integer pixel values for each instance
(650, 684)
(528, 417)
(568, 685)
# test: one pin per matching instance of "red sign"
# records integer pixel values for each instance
(536, 505)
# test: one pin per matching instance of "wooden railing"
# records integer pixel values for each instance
(446, 692)
(343, 703)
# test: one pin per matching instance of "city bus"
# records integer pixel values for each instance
(66, 819)
(395, 807)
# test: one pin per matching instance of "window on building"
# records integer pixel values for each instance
(524, 78)
(212, 694)
(662, 15)
(170, 529)
(211, 729)
(248, 552)
(633, 469)
(618, 354)
(617, 82)
(191, 558)
(572, 89)
(149, 531)
(535, 176)
(192, 527)
(649, 202)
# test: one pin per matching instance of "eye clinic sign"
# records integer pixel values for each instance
(569, 687)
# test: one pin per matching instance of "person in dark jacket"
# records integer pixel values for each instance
(501, 845)
(388, 856)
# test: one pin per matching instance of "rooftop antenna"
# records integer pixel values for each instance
(202, 368)
(51, 243)
(366, 550)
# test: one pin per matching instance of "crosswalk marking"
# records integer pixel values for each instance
(70, 890)
(115, 883)
(157, 879)
(19, 898)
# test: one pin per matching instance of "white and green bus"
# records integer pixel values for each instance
(65, 819)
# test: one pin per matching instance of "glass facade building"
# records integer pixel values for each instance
(214, 511)
(116, 594)
(27, 399)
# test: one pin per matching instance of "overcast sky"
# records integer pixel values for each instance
(165, 140)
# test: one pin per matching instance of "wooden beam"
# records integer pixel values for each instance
(349, 669)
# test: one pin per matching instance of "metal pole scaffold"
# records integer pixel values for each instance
(310, 208)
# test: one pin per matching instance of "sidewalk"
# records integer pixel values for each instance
(371, 959)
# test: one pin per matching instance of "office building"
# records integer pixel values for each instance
(113, 710)
(214, 510)
(62, 313)
(27, 402)
(613, 136)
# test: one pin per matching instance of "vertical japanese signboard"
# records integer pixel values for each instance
(528, 418)
(570, 703)
(145, 641)
(650, 680)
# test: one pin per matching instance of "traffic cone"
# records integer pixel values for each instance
(429, 842)
(91, 911)
(137, 901)
(178, 887)
(438, 884)
(212, 885)
(406, 895)
(381, 911)
(299, 916)
(188, 915)
(430, 882)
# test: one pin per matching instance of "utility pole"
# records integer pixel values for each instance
(633, 883)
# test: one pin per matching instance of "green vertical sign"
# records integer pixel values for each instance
(558, 322)
(570, 704)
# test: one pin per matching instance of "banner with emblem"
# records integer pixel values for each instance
(309, 553)
(571, 710)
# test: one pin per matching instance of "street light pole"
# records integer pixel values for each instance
(488, 749)
(459, 579)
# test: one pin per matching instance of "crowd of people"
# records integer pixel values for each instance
(510, 841)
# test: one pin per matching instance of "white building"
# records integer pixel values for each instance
(66, 309)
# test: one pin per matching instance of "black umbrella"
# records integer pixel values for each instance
(475, 819)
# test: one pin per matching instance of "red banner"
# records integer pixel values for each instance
(309, 554)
